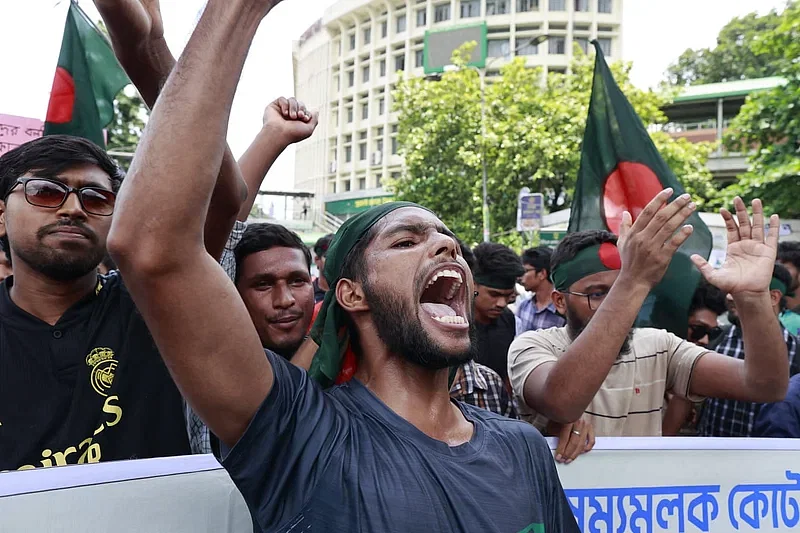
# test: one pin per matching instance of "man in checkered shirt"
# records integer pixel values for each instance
(732, 418)
(482, 387)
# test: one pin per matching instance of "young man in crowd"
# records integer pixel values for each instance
(273, 277)
(789, 257)
(600, 369)
(731, 417)
(708, 303)
(304, 458)
(538, 312)
(781, 419)
(476, 384)
(496, 271)
(320, 249)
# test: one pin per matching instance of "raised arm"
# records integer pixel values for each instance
(201, 326)
(562, 390)
(286, 121)
(763, 376)
(137, 35)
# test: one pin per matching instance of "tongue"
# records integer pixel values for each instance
(434, 309)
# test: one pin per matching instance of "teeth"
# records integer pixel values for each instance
(450, 319)
(445, 274)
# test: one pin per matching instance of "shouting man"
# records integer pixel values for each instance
(388, 451)
(602, 369)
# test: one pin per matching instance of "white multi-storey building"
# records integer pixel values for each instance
(347, 65)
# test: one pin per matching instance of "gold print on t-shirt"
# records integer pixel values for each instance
(103, 365)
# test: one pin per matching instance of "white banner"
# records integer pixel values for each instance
(624, 485)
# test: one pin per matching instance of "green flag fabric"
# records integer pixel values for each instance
(329, 330)
(87, 79)
(621, 170)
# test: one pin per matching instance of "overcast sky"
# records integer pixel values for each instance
(655, 32)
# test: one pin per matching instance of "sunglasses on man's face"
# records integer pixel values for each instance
(51, 194)
(698, 331)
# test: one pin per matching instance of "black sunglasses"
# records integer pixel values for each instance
(51, 194)
(698, 331)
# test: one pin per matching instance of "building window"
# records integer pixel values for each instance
(362, 152)
(422, 16)
(498, 48)
(352, 41)
(365, 74)
(394, 145)
(367, 35)
(335, 117)
(364, 111)
(351, 78)
(496, 7)
(362, 183)
(419, 58)
(605, 45)
(470, 8)
(581, 5)
(379, 145)
(350, 114)
(527, 48)
(583, 42)
(382, 67)
(384, 29)
(527, 5)
(348, 154)
(381, 106)
(604, 6)
(556, 45)
(401, 23)
(558, 5)
(400, 62)
(346, 185)
(441, 12)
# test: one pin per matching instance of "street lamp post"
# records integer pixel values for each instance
(482, 76)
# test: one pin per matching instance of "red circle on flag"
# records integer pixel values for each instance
(630, 187)
(609, 256)
(62, 98)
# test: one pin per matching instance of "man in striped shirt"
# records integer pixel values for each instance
(601, 370)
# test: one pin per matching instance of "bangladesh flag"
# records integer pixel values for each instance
(621, 170)
(87, 79)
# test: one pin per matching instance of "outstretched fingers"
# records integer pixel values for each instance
(745, 229)
(703, 266)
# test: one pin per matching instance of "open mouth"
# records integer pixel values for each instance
(443, 297)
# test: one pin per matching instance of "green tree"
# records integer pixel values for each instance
(768, 127)
(534, 128)
(124, 132)
(737, 55)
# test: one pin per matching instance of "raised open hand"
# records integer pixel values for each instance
(290, 119)
(750, 257)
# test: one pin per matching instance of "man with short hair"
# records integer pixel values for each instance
(601, 370)
(273, 277)
(496, 270)
(789, 257)
(537, 312)
(320, 249)
(387, 450)
(735, 418)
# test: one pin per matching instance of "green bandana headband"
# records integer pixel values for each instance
(599, 258)
(778, 285)
(329, 330)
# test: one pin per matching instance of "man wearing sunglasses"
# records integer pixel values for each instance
(600, 370)
(735, 418)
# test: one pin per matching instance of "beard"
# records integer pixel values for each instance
(575, 327)
(401, 330)
(59, 264)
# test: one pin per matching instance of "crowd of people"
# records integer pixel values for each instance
(395, 391)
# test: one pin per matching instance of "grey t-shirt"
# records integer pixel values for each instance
(341, 460)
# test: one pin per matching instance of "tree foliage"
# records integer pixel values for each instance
(534, 128)
(769, 128)
(739, 54)
(126, 129)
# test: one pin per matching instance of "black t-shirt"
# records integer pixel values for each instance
(319, 294)
(91, 388)
(494, 340)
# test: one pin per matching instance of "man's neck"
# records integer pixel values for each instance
(543, 295)
(46, 298)
(417, 394)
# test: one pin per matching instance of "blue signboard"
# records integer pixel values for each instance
(530, 211)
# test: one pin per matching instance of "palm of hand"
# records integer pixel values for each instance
(747, 268)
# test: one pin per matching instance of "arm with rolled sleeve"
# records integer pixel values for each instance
(683, 357)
